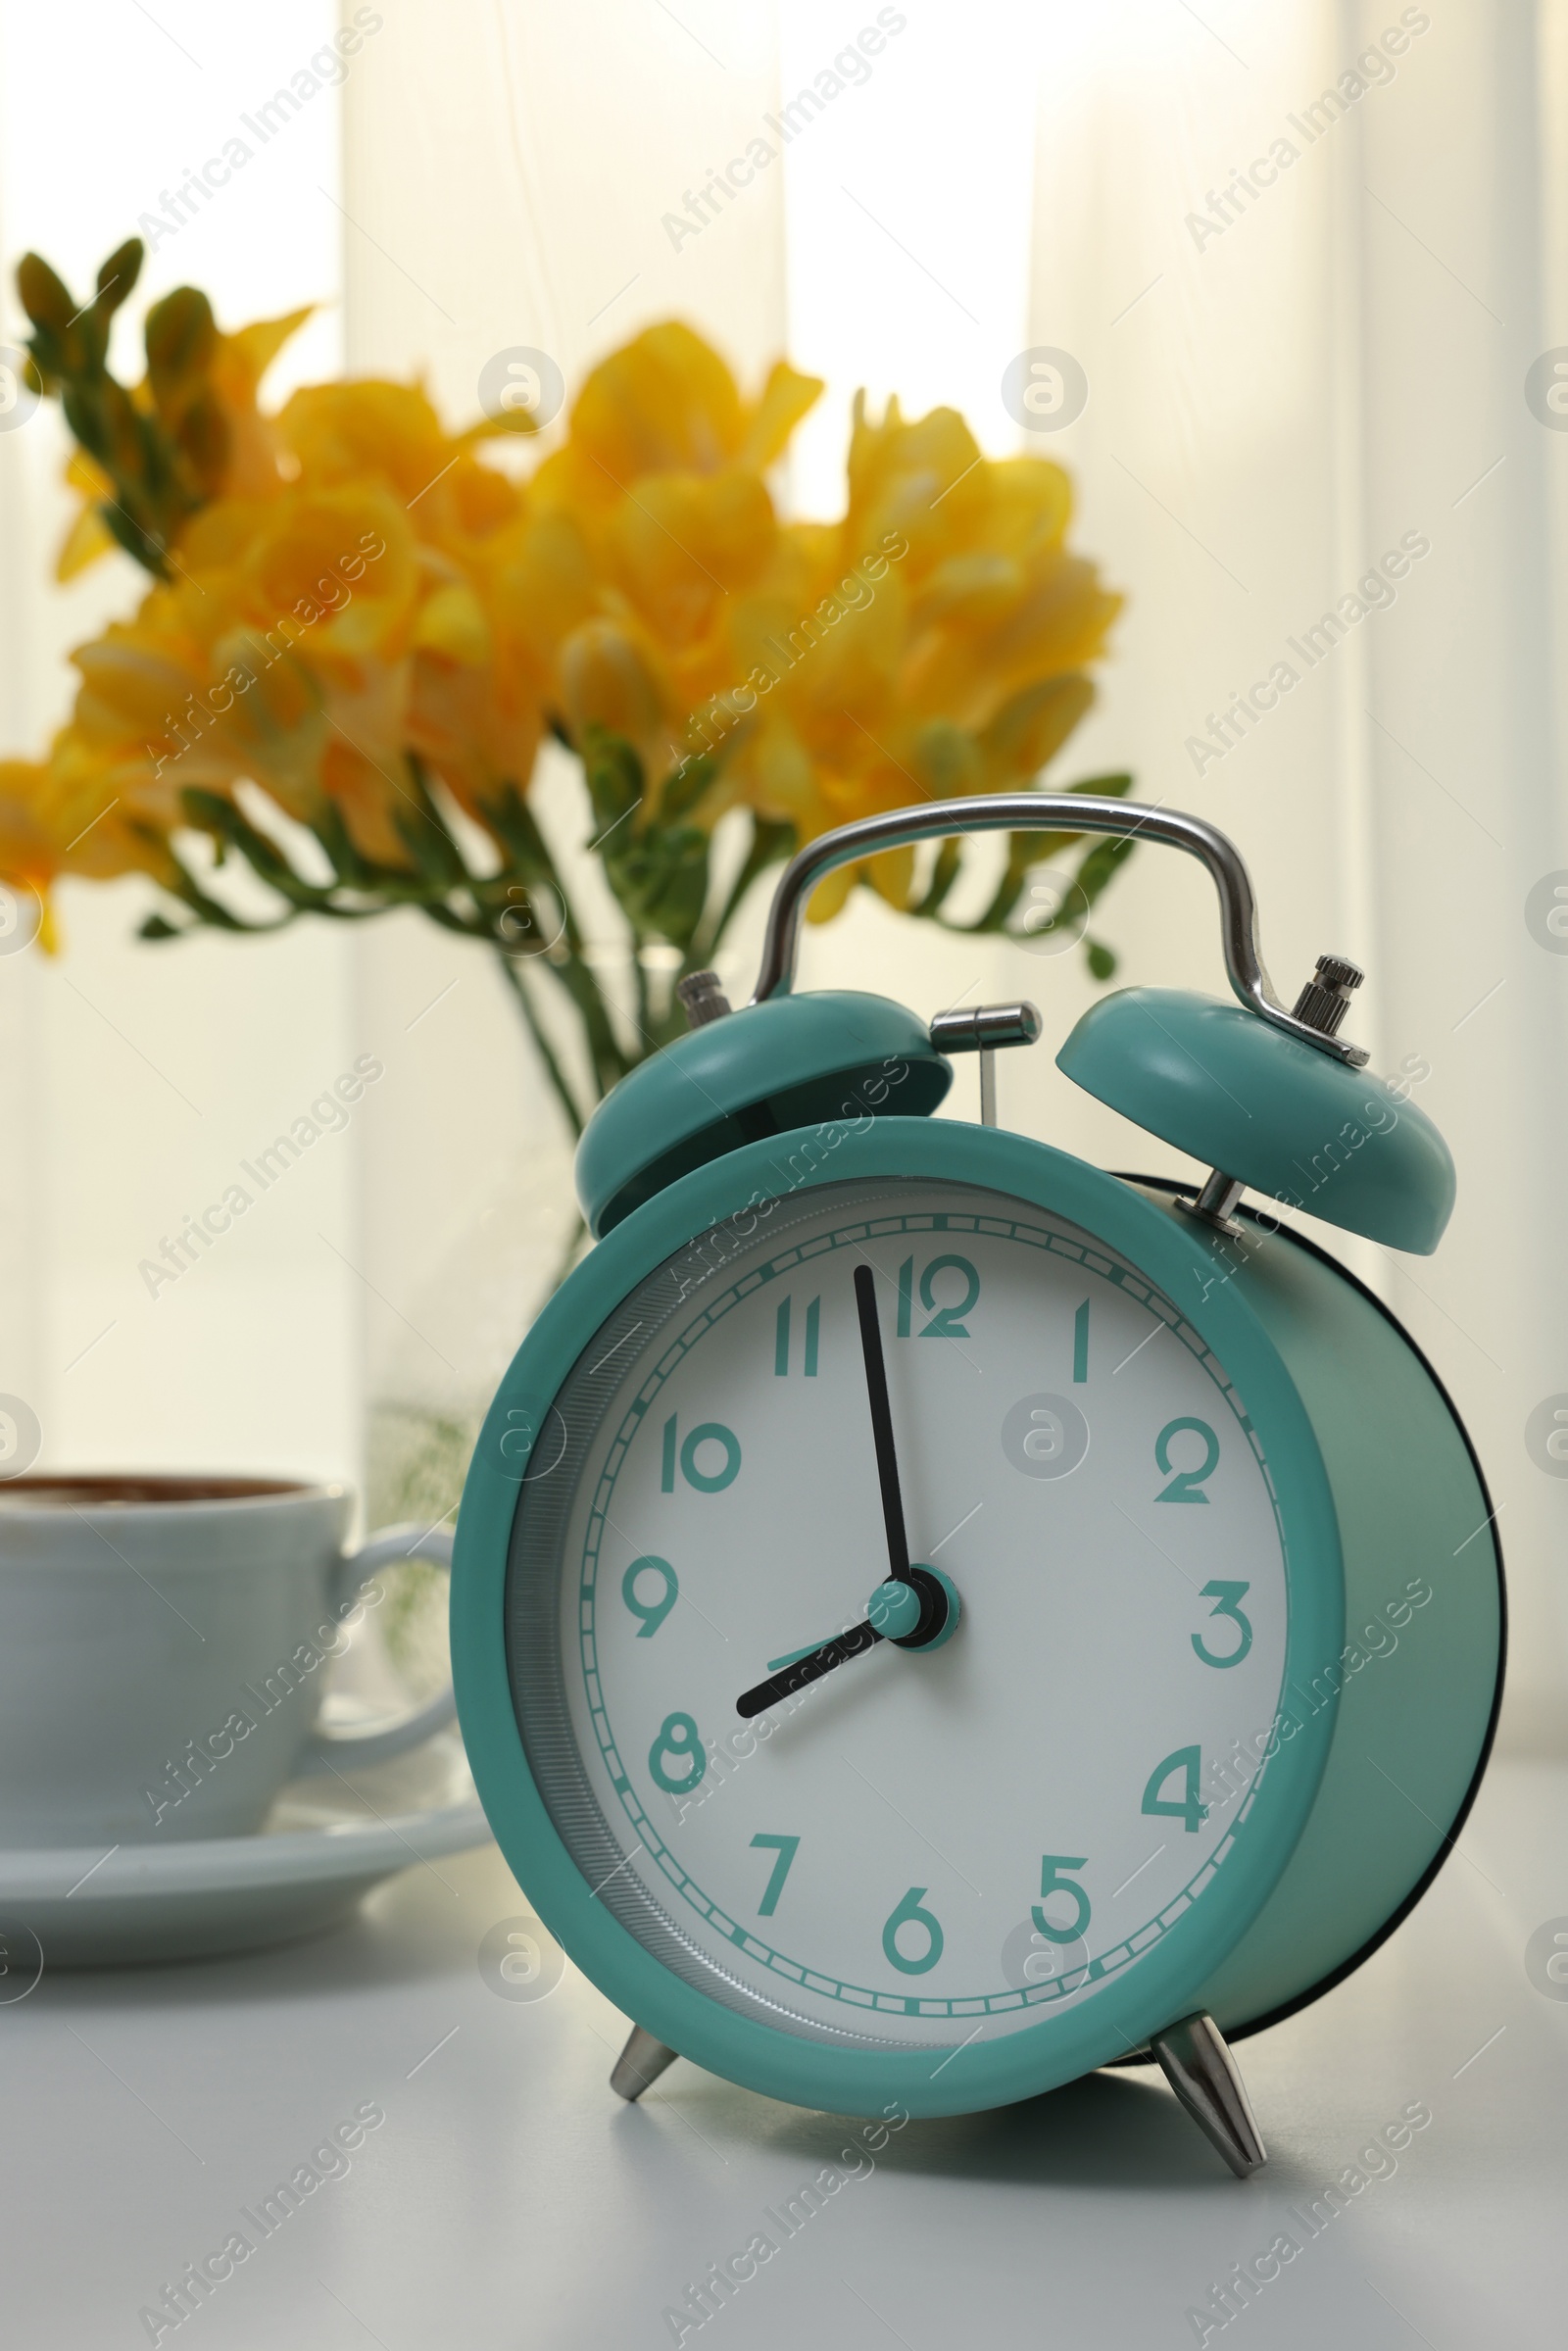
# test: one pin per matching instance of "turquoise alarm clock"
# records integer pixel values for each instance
(932, 1618)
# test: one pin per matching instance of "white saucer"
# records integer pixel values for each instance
(322, 1847)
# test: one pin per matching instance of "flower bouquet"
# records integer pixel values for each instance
(360, 628)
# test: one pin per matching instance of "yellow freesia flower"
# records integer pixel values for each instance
(27, 853)
(666, 403)
(656, 497)
(937, 643)
(364, 611)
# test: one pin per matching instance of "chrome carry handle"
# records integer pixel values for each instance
(1318, 1011)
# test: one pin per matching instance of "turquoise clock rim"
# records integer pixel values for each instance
(1122, 2012)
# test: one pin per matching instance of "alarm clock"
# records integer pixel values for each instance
(931, 1617)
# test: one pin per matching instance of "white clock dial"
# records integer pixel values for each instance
(920, 1845)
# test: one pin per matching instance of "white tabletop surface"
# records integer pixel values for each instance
(508, 2199)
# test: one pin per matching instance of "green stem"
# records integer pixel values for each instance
(645, 1011)
(771, 843)
(609, 1064)
(530, 853)
(542, 1045)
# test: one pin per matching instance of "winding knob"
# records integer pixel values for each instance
(1326, 999)
(702, 997)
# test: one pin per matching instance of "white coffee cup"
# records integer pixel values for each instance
(164, 1643)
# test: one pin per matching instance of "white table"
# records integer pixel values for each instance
(507, 2199)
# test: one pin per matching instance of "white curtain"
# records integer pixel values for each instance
(1305, 254)
(1336, 373)
(133, 1079)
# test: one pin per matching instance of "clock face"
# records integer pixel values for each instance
(921, 1846)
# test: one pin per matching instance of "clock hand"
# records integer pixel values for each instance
(890, 1609)
(794, 1656)
(935, 1614)
(920, 1613)
(893, 1612)
(803, 1671)
(887, 1460)
(939, 1601)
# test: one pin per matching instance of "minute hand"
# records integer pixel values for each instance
(887, 1460)
(938, 1601)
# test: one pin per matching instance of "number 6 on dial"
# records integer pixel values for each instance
(909, 1913)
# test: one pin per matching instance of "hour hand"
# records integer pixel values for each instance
(803, 1671)
(918, 1613)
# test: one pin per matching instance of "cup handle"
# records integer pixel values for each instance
(393, 1544)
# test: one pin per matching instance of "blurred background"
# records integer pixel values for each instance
(1283, 383)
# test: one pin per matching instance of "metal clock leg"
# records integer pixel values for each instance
(640, 2064)
(1200, 2070)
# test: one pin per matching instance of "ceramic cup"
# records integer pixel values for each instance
(165, 1646)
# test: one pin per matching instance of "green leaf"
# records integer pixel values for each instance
(614, 779)
(684, 787)
(511, 818)
(347, 860)
(430, 845)
(425, 834)
(1101, 962)
(136, 542)
(1103, 861)
(660, 880)
(210, 812)
(947, 759)
(1103, 787)
(1025, 852)
(944, 873)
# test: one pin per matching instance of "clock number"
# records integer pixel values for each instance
(1052, 1882)
(677, 1741)
(1182, 1487)
(708, 1480)
(1186, 1808)
(781, 1340)
(947, 1322)
(654, 1612)
(909, 1913)
(1226, 1597)
(786, 1847)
